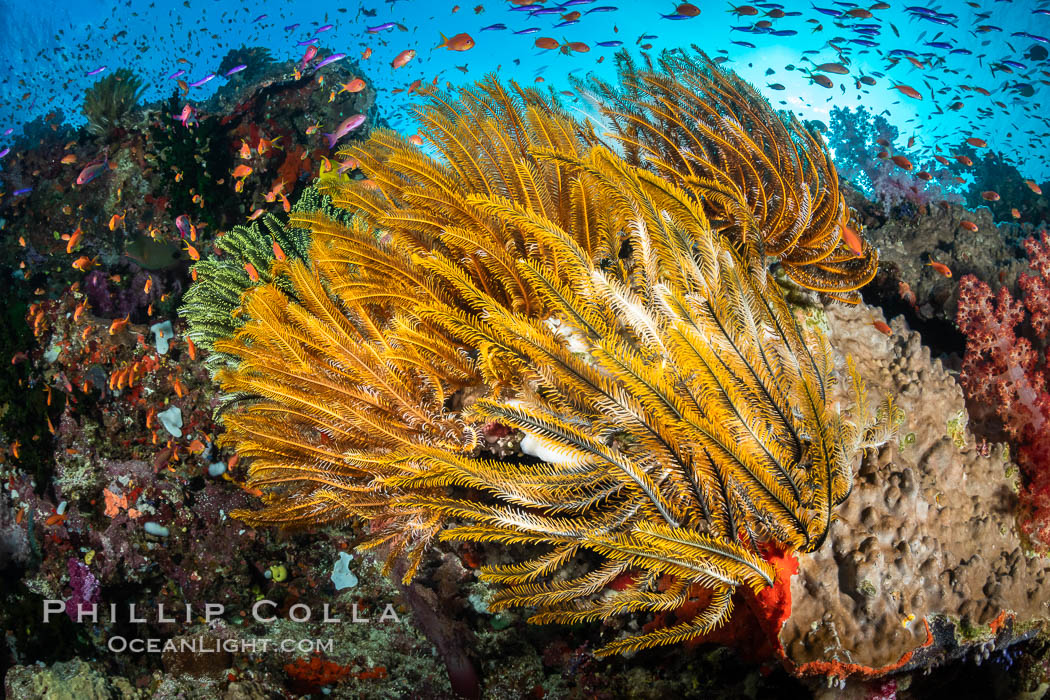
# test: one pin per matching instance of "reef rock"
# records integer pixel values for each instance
(924, 562)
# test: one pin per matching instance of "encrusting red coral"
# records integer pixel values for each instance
(1010, 369)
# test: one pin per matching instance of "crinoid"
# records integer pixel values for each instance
(707, 130)
(111, 99)
(514, 271)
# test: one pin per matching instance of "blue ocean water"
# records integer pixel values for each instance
(949, 52)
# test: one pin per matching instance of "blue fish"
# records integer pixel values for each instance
(235, 69)
(864, 42)
(176, 74)
(610, 44)
(308, 41)
(381, 27)
(530, 30)
(675, 17)
(290, 27)
(744, 44)
(603, 8)
(4, 152)
(260, 18)
(325, 28)
(24, 190)
(829, 11)
(939, 44)
(566, 23)
(493, 26)
(784, 32)
(545, 11)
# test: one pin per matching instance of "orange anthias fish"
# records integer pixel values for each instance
(278, 252)
(990, 195)
(851, 239)
(84, 263)
(968, 225)
(253, 274)
(460, 42)
(118, 325)
(909, 91)
(902, 162)
(246, 151)
(1034, 187)
(976, 142)
(546, 42)
(74, 239)
(194, 255)
(355, 85)
(115, 220)
(941, 268)
(242, 171)
(67, 159)
(367, 52)
(403, 58)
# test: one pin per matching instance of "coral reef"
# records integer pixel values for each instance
(1006, 373)
(924, 562)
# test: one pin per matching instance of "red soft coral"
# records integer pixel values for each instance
(1010, 370)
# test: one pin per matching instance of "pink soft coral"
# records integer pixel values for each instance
(1011, 372)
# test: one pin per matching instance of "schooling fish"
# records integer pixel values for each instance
(177, 74)
(494, 27)
(235, 69)
(96, 71)
(381, 27)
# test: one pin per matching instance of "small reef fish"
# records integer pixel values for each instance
(968, 225)
(96, 71)
(118, 325)
(92, 171)
(990, 196)
(348, 125)
(908, 90)
(203, 80)
(177, 74)
(183, 225)
(355, 85)
(328, 60)
(84, 263)
(67, 159)
(459, 42)
(235, 69)
(74, 240)
(186, 116)
(381, 27)
(943, 269)
(403, 58)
